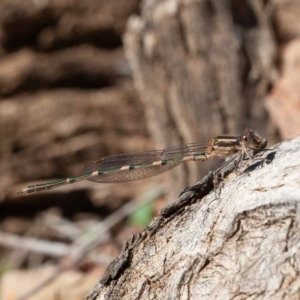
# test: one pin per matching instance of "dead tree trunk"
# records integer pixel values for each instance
(201, 68)
(243, 244)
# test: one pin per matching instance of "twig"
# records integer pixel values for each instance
(61, 226)
(38, 246)
(82, 245)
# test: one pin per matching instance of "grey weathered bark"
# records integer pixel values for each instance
(201, 68)
(243, 244)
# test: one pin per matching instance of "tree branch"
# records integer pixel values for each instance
(243, 243)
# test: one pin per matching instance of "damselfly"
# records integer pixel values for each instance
(134, 166)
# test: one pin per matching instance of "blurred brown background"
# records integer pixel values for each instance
(85, 79)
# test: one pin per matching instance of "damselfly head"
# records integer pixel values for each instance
(253, 140)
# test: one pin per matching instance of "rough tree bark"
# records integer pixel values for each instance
(243, 244)
(201, 68)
